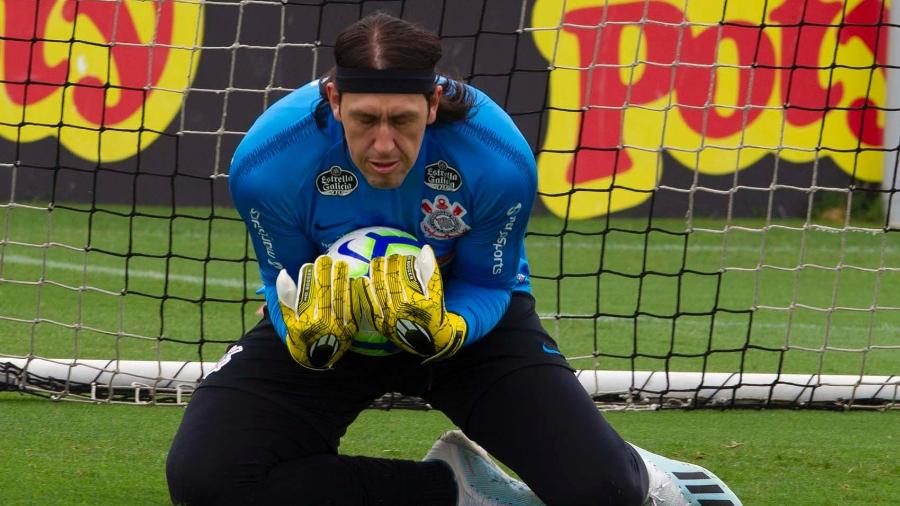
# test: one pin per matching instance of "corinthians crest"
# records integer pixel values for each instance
(443, 220)
(336, 182)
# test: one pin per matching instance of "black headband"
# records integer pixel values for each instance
(351, 80)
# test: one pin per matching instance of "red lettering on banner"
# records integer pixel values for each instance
(601, 132)
(862, 118)
(868, 22)
(697, 83)
(806, 101)
(671, 46)
(139, 64)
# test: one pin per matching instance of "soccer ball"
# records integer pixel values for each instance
(358, 248)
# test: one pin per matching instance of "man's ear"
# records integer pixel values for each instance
(433, 103)
(334, 100)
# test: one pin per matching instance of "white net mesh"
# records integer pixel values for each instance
(711, 186)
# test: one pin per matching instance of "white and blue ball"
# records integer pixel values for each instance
(358, 248)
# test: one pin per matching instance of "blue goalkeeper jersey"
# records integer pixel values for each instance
(469, 196)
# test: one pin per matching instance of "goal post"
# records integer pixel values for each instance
(890, 181)
(717, 216)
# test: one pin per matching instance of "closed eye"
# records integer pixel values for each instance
(366, 119)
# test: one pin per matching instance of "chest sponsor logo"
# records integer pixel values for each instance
(441, 176)
(336, 182)
(443, 219)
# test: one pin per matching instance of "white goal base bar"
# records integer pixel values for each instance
(96, 379)
(685, 389)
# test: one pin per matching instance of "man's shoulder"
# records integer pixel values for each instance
(487, 145)
(488, 133)
(294, 132)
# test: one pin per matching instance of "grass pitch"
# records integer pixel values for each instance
(742, 295)
(63, 453)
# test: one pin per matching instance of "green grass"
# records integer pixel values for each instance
(72, 453)
(743, 294)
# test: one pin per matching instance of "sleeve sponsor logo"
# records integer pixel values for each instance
(264, 238)
(227, 357)
(443, 220)
(442, 177)
(497, 249)
(717, 88)
(336, 182)
(114, 89)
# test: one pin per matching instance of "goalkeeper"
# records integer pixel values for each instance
(383, 139)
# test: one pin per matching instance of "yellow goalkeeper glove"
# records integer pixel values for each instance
(318, 316)
(404, 299)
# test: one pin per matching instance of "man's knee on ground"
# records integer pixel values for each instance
(191, 478)
(198, 478)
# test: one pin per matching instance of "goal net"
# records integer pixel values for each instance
(718, 187)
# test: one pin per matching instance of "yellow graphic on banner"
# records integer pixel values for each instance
(104, 77)
(717, 86)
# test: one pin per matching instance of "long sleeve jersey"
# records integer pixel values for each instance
(468, 195)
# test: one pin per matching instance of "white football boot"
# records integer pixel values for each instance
(479, 481)
(674, 483)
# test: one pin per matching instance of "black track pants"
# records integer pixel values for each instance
(263, 430)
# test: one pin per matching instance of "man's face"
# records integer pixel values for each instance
(384, 131)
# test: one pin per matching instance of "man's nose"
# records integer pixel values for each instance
(384, 137)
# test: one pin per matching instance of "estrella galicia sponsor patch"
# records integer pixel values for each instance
(441, 176)
(336, 182)
(443, 219)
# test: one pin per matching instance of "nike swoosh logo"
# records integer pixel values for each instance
(319, 226)
(550, 350)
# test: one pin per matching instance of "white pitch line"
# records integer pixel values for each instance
(533, 243)
(552, 319)
(229, 283)
(120, 272)
(548, 243)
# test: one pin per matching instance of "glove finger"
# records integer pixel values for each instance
(394, 283)
(287, 290)
(340, 288)
(426, 268)
(379, 280)
(411, 278)
(366, 306)
(323, 287)
(307, 289)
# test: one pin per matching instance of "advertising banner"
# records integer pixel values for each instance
(631, 106)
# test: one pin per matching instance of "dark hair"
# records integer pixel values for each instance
(381, 41)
